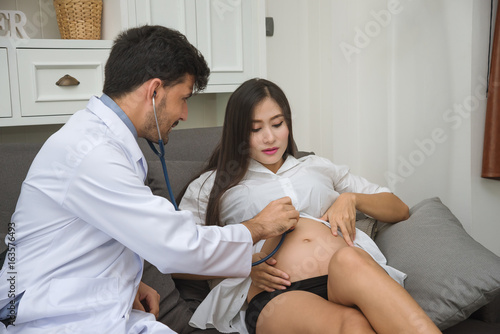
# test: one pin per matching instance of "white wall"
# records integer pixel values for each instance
(395, 90)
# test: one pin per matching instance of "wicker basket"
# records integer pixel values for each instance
(79, 19)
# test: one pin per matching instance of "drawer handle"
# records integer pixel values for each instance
(67, 80)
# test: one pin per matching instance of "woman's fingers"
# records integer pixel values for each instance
(347, 226)
(269, 278)
(271, 283)
(347, 235)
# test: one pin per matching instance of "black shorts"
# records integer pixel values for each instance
(316, 285)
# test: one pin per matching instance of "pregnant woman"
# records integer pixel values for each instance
(327, 277)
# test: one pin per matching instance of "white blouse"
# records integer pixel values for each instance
(313, 183)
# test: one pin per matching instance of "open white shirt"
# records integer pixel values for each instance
(313, 183)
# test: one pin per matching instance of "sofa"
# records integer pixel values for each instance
(454, 278)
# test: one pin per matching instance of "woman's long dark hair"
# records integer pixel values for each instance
(231, 157)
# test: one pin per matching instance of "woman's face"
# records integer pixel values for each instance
(269, 135)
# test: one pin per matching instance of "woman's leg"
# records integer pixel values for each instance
(354, 278)
(303, 312)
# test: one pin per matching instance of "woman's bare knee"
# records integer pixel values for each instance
(349, 257)
(349, 271)
(354, 322)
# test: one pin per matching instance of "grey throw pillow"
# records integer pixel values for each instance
(367, 225)
(450, 274)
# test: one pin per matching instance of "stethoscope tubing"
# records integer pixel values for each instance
(161, 155)
(267, 257)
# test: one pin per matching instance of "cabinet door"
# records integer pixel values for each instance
(5, 102)
(225, 30)
(229, 33)
(176, 14)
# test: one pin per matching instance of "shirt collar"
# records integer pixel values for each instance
(108, 102)
(289, 163)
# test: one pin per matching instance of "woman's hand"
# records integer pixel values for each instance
(147, 300)
(342, 214)
(384, 206)
(266, 276)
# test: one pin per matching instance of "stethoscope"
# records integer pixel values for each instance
(161, 155)
(267, 257)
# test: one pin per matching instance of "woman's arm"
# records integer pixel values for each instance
(385, 207)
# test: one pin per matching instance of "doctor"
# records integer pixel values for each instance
(85, 221)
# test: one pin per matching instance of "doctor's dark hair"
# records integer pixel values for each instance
(147, 52)
(231, 157)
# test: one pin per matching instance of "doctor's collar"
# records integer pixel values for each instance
(108, 102)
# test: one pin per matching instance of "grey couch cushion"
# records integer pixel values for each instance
(180, 173)
(471, 326)
(175, 309)
(174, 312)
(187, 144)
(15, 162)
(449, 274)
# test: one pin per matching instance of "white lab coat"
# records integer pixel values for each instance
(84, 223)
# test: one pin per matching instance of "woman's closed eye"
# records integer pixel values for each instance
(274, 126)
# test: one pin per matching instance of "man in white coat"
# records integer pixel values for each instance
(85, 221)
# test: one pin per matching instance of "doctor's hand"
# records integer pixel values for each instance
(275, 219)
(266, 276)
(342, 214)
(147, 300)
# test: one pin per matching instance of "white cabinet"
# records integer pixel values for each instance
(229, 33)
(5, 103)
(60, 81)
(32, 95)
(176, 14)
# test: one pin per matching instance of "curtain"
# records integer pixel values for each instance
(491, 148)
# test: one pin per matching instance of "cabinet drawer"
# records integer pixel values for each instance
(40, 69)
(5, 102)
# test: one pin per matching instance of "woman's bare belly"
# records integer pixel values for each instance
(305, 252)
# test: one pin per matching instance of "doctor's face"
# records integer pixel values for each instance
(269, 135)
(171, 107)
